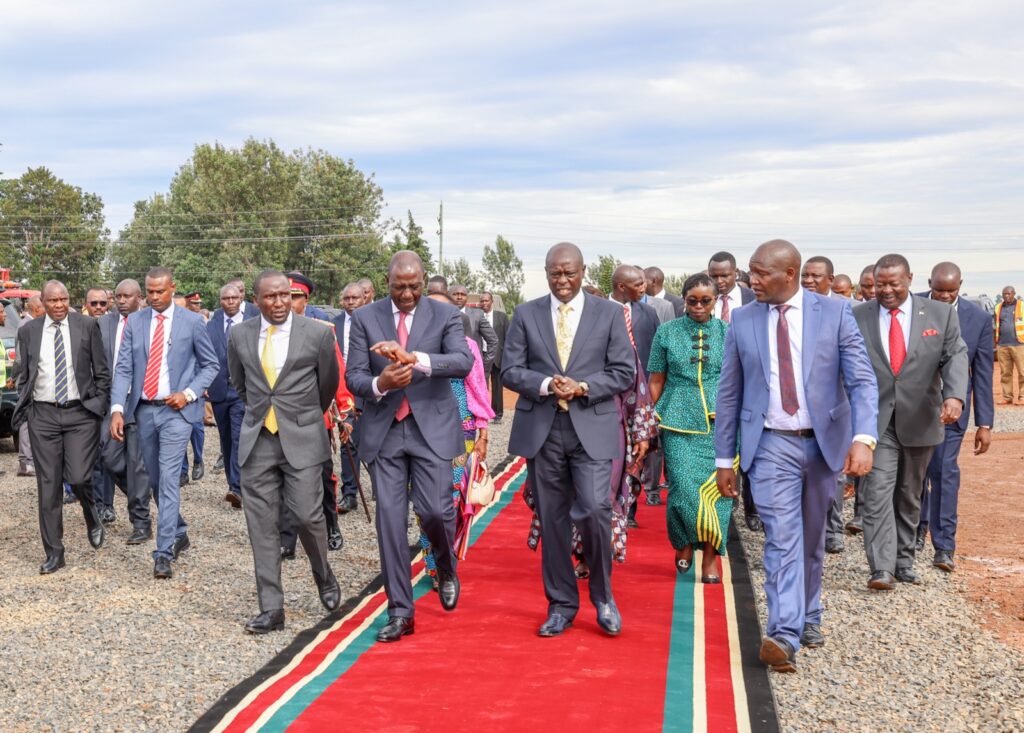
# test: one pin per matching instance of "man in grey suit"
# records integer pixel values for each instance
(164, 365)
(63, 385)
(920, 362)
(568, 355)
(285, 370)
(498, 320)
(403, 352)
(655, 284)
(480, 329)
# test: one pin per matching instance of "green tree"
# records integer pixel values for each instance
(236, 211)
(459, 272)
(599, 274)
(503, 271)
(50, 229)
(674, 283)
(410, 236)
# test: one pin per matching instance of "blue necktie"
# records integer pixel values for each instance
(227, 326)
(61, 366)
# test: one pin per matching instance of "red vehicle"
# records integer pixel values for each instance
(12, 300)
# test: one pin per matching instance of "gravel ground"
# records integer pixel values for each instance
(1009, 419)
(914, 659)
(102, 646)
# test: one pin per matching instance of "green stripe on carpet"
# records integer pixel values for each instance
(679, 676)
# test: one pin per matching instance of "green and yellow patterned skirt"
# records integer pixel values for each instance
(696, 512)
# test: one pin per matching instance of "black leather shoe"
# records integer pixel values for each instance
(907, 575)
(855, 526)
(233, 499)
(334, 539)
(107, 515)
(93, 526)
(944, 561)
(555, 625)
(162, 568)
(631, 523)
(266, 622)
(69, 498)
(287, 553)
(710, 580)
(180, 545)
(330, 593)
(138, 536)
(778, 655)
(608, 618)
(653, 498)
(448, 590)
(183, 479)
(834, 545)
(347, 504)
(219, 465)
(754, 523)
(198, 471)
(396, 628)
(52, 564)
(922, 532)
(812, 638)
(882, 580)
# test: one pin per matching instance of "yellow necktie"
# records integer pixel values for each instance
(563, 338)
(270, 372)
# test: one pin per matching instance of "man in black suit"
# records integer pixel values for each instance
(655, 283)
(65, 388)
(498, 321)
(97, 305)
(722, 269)
(352, 298)
(124, 459)
(249, 309)
(479, 327)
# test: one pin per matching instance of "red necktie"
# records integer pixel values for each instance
(725, 308)
(787, 382)
(629, 323)
(897, 347)
(403, 339)
(151, 383)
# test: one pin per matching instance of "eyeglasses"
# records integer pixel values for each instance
(97, 303)
(693, 302)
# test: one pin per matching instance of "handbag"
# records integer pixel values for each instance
(481, 485)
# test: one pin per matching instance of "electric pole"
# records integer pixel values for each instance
(440, 238)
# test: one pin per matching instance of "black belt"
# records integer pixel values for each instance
(802, 433)
(153, 403)
(67, 405)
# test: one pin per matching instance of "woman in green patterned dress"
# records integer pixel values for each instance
(685, 365)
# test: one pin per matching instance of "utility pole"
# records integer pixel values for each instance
(440, 238)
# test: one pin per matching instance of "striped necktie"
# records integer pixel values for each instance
(60, 359)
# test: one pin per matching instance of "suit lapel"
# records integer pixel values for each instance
(386, 318)
(75, 330)
(177, 334)
(144, 323)
(811, 325)
(251, 343)
(761, 339)
(295, 338)
(419, 324)
(542, 315)
(874, 336)
(918, 315)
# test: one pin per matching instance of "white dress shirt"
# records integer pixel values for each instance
(735, 298)
(46, 374)
(233, 320)
(905, 319)
(279, 341)
(489, 317)
(346, 329)
(122, 321)
(423, 359)
(777, 418)
(573, 318)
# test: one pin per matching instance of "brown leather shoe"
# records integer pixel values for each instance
(778, 654)
(882, 580)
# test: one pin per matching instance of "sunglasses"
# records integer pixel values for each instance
(97, 303)
(700, 301)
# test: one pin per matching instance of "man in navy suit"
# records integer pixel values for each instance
(166, 362)
(942, 480)
(568, 356)
(798, 395)
(249, 309)
(403, 352)
(228, 408)
(352, 298)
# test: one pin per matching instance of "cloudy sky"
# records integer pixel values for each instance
(659, 132)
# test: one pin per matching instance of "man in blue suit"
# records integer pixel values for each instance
(798, 395)
(942, 480)
(165, 363)
(403, 352)
(228, 408)
(568, 356)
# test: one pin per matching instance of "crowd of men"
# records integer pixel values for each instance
(822, 396)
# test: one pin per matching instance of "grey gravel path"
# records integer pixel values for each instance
(911, 660)
(102, 646)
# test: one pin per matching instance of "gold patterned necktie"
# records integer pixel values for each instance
(563, 338)
(270, 372)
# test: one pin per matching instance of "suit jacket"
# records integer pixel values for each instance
(746, 295)
(935, 370)
(645, 323)
(302, 392)
(678, 304)
(250, 309)
(108, 330)
(482, 332)
(339, 333)
(92, 373)
(437, 332)
(191, 361)
(839, 383)
(221, 389)
(500, 327)
(601, 356)
(665, 310)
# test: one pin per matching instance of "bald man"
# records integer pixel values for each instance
(799, 397)
(842, 286)
(403, 352)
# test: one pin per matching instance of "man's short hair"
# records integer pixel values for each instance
(158, 271)
(892, 260)
(263, 276)
(722, 257)
(824, 261)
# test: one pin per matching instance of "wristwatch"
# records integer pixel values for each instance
(585, 387)
(866, 440)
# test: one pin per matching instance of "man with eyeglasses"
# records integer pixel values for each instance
(96, 305)
(96, 302)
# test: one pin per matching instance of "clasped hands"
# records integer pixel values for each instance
(397, 374)
(564, 388)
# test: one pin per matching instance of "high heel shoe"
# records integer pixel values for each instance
(683, 565)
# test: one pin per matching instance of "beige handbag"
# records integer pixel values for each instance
(481, 485)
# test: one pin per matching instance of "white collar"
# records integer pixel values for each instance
(395, 310)
(576, 303)
(796, 302)
(281, 327)
(47, 321)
